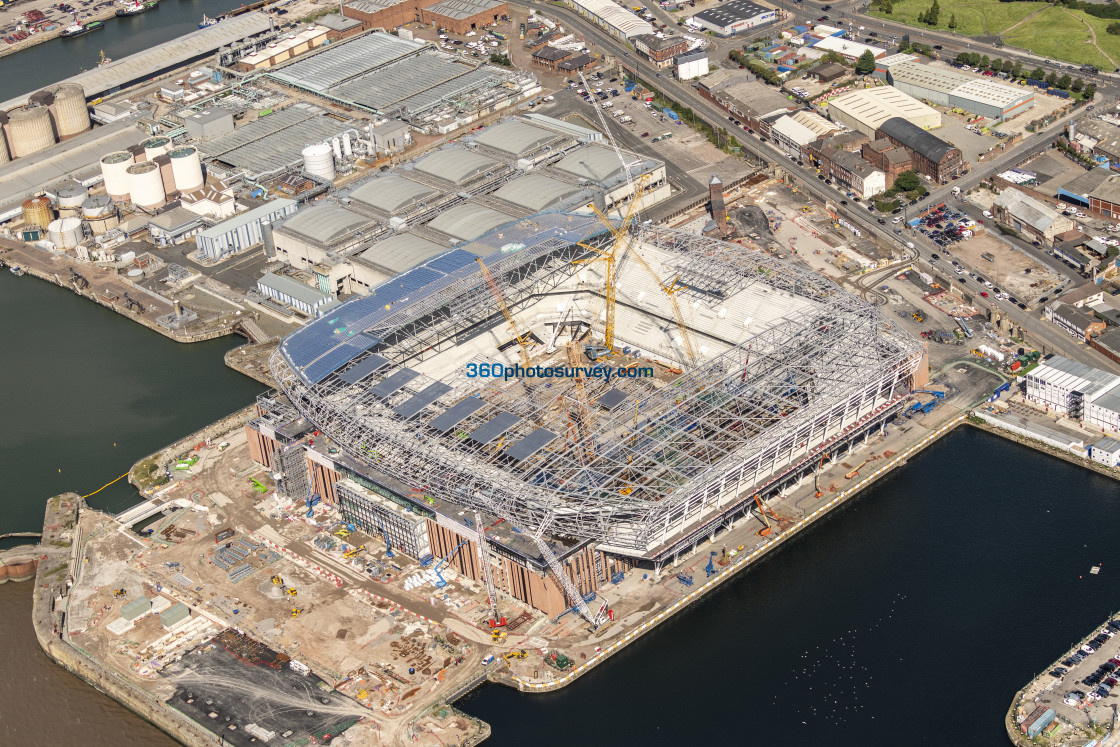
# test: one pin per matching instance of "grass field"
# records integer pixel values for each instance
(1045, 30)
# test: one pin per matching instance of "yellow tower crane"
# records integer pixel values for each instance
(670, 290)
(522, 337)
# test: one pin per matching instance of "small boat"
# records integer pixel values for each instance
(104, 60)
(207, 21)
(79, 28)
(16, 270)
(136, 7)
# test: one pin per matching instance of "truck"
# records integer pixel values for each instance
(670, 113)
(626, 119)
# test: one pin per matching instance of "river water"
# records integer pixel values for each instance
(921, 607)
(54, 60)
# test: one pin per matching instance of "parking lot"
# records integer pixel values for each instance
(1082, 687)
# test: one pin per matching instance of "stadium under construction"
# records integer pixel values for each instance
(560, 478)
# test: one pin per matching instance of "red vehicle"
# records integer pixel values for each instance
(982, 293)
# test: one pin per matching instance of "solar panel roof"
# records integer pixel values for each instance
(457, 414)
(494, 427)
(531, 444)
(393, 383)
(412, 406)
(612, 399)
(364, 369)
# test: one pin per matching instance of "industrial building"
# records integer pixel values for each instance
(1032, 218)
(409, 80)
(849, 49)
(868, 108)
(929, 155)
(734, 17)
(242, 231)
(1078, 323)
(300, 296)
(463, 16)
(1076, 390)
(772, 367)
(791, 136)
(975, 94)
(612, 18)
(661, 49)
(746, 97)
(1106, 452)
(454, 194)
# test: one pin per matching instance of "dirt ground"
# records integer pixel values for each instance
(1008, 270)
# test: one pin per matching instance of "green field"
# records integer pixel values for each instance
(1045, 30)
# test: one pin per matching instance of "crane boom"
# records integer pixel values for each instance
(670, 291)
(494, 289)
(610, 137)
(496, 621)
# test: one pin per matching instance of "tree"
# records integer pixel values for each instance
(1052, 78)
(1037, 74)
(1017, 69)
(934, 12)
(907, 181)
(985, 63)
(865, 65)
(1007, 66)
(1064, 82)
(500, 59)
(996, 65)
(953, 21)
(1090, 91)
(1078, 84)
(1113, 28)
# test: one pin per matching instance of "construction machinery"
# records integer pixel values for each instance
(935, 393)
(710, 568)
(817, 476)
(296, 611)
(311, 501)
(518, 654)
(277, 581)
(119, 593)
(497, 636)
(257, 485)
(343, 533)
(522, 337)
(670, 290)
(918, 316)
(496, 620)
(354, 551)
(290, 591)
(385, 536)
(769, 528)
(442, 582)
(855, 472)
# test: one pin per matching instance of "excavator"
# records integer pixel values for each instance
(296, 611)
(817, 476)
(277, 581)
(119, 593)
(351, 553)
(290, 591)
(518, 654)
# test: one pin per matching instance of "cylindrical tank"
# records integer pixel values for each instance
(187, 168)
(336, 146)
(155, 146)
(70, 199)
(165, 173)
(114, 168)
(318, 160)
(145, 184)
(5, 156)
(29, 130)
(37, 211)
(346, 147)
(269, 240)
(69, 110)
(98, 206)
(101, 226)
(137, 152)
(65, 233)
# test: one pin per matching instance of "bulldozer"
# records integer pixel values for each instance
(119, 593)
(276, 580)
(290, 591)
(296, 611)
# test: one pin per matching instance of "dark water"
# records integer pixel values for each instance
(915, 614)
(929, 601)
(52, 61)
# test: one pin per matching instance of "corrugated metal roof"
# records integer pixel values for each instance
(136, 608)
(460, 9)
(400, 252)
(294, 288)
(391, 193)
(339, 63)
(515, 137)
(249, 216)
(594, 163)
(325, 223)
(916, 139)
(456, 165)
(873, 106)
(175, 613)
(468, 221)
(536, 192)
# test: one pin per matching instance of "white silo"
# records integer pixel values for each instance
(336, 146)
(155, 146)
(65, 233)
(186, 166)
(146, 184)
(70, 199)
(347, 148)
(114, 168)
(318, 160)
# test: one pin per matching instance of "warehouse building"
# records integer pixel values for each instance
(242, 231)
(929, 154)
(849, 49)
(300, 296)
(734, 17)
(867, 109)
(462, 16)
(611, 17)
(975, 94)
(791, 136)
(407, 80)
(691, 65)
(304, 238)
(1106, 452)
(1076, 390)
(883, 65)
(744, 96)
(340, 27)
(1033, 218)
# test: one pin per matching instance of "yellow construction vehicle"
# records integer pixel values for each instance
(497, 636)
(343, 533)
(518, 654)
(296, 611)
(918, 316)
(354, 552)
(290, 591)
(119, 593)
(276, 580)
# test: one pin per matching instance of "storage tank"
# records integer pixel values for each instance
(336, 145)
(347, 148)
(318, 160)
(65, 233)
(100, 213)
(145, 184)
(4, 155)
(114, 167)
(155, 146)
(187, 168)
(69, 110)
(37, 211)
(29, 130)
(70, 199)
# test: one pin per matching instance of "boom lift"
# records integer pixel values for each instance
(496, 620)
(710, 568)
(385, 536)
(522, 337)
(442, 581)
(769, 528)
(855, 472)
(937, 394)
(817, 476)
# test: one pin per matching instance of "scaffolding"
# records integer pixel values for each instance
(681, 451)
